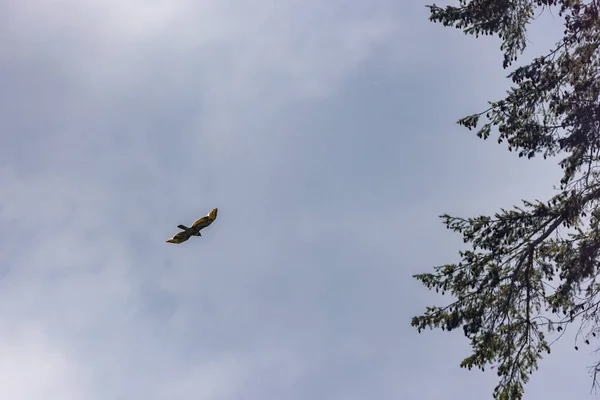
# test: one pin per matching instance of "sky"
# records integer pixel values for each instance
(325, 134)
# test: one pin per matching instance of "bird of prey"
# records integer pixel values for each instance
(201, 223)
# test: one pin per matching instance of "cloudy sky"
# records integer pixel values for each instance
(324, 132)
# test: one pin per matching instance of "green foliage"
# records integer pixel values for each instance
(534, 268)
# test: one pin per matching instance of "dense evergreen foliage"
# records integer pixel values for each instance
(533, 270)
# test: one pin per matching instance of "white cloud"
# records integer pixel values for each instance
(236, 375)
(31, 367)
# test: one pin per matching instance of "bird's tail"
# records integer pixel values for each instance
(185, 228)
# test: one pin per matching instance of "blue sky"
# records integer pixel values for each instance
(324, 132)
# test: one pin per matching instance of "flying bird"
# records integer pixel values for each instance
(199, 224)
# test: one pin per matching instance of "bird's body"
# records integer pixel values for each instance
(198, 225)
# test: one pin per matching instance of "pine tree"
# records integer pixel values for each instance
(532, 270)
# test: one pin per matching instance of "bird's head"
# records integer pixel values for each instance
(213, 213)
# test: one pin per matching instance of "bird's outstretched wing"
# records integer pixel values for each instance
(180, 237)
(203, 222)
